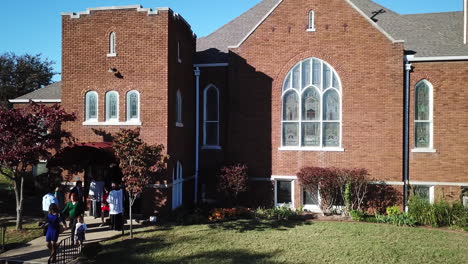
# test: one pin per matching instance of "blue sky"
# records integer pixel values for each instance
(33, 26)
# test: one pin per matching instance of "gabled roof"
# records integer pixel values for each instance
(425, 35)
(48, 94)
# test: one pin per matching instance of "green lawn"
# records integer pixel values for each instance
(247, 241)
(16, 238)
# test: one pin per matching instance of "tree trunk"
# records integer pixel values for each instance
(19, 183)
(131, 219)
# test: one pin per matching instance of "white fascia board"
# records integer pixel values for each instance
(139, 8)
(440, 58)
(206, 65)
(35, 100)
(256, 26)
(373, 23)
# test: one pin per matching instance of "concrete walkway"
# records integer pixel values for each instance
(36, 251)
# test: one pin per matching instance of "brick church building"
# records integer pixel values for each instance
(287, 84)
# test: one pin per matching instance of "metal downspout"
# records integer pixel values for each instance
(406, 125)
(197, 129)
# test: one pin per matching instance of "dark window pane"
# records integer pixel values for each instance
(290, 134)
(310, 198)
(133, 105)
(212, 104)
(283, 192)
(211, 136)
(422, 134)
(331, 134)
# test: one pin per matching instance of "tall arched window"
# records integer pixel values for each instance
(91, 106)
(423, 114)
(178, 108)
(177, 185)
(311, 21)
(311, 99)
(112, 106)
(112, 44)
(133, 105)
(211, 116)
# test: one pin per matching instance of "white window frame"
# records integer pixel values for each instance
(108, 118)
(429, 149)
(87, 105)
(311, 21)
(205, 122)
(293, 183)
(129, 118)
(179, 108)
(177, 186)
(112, 45)
(322, 93)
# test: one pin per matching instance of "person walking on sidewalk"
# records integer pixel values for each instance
(53, 227)
(73, 209)
(115, 201)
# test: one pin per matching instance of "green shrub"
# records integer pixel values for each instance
(278, 213)
(393, 210)
(358, 215)
(402, 219)
(421, 210)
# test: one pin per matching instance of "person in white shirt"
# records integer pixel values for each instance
(115, 200)
(47, 200)
(96, 189)
(80, 231)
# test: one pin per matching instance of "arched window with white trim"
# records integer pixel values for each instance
(112, 106)
(112, 44)
(423, 115)
(91, 106)
(177, 185)
(211, 116)
(178, 108)
(311, 21)
(133, 106)
(311, 102)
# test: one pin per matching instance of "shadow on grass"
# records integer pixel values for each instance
(258, 225)
(143, 251)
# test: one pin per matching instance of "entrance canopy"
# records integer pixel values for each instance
(81, 155)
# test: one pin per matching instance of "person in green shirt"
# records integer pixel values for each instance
(73, 209)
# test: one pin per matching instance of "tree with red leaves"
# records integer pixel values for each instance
(233, 180)
(26, 136)
(139, 162)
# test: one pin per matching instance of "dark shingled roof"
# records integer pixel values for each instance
(49, 92)
(425, 35)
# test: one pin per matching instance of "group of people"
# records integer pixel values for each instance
(102, 204)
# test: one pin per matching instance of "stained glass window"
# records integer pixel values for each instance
(423, 115)
(311, 114)
(211, 116)
(112, 43)
(112, 105)
(91, 105)
(133, 105)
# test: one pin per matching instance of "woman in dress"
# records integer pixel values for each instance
(73, 209)
(53, 228)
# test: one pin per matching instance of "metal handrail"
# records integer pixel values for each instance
(65, 252)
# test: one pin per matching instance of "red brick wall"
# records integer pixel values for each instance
(448, 164)
(370, 68)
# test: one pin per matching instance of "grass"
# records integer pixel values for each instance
(249, 241)
(15, 238)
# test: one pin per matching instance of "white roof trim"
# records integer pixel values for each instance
(256, 26)
(441, 58)
(373, 23)
(35, 100)
(139, 8)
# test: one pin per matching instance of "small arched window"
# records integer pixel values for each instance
(311, 115)
(112, 106)
(211, 116)
(91, 106)
(178, 108)
(311, 21)
(133, 105)
(112, 44)
(423, 115)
